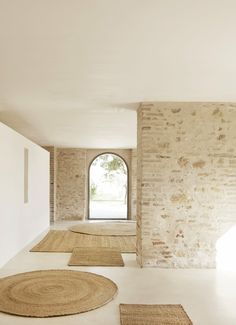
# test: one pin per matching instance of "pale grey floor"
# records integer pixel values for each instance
(209, 296)
(108, 210)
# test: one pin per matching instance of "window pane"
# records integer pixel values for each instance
(108, 190)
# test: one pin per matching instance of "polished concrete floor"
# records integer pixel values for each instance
(208, 296)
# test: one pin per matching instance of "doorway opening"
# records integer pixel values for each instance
(108, 188)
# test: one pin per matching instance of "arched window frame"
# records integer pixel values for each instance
(128, 196)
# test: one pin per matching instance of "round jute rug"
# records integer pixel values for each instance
(106, 228)
(54, 293)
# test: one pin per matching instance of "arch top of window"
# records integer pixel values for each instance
(109, 154)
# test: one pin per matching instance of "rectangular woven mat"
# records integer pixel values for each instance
(65, 241)
(153, 315)
(93, 256)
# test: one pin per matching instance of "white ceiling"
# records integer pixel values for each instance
(72, 72)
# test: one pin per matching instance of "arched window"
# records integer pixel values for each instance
(108, 187)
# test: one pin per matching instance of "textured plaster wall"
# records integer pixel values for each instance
(186, 182)
(21, 219)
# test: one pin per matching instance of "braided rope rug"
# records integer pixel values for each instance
(54, 293)
(98, 256)
(106, 228)
(65, 241)
(153, 315)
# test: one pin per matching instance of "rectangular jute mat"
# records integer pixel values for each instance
(93, 256)
(153, 315)
(64, 241)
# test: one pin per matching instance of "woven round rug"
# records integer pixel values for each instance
(54, 293)
(106, 228)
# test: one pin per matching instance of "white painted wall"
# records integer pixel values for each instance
(21, 222)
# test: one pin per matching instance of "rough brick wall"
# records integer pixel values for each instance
(133, 186)
(186, 182)
(52, 151)
(71, 178)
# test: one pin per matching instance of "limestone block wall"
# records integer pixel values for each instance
(71, 177)
(186, 182)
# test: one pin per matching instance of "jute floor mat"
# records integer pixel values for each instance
(85, 256)
(65, 241)
(153, 315)
(54, 293)
(106, 228)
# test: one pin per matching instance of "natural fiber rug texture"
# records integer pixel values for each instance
(153, 315)
(54, 293)
(90, 256)
(65, 241)
(106, 228)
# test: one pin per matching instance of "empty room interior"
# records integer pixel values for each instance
(117, 162)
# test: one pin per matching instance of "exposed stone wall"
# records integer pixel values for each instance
(52, 151)
(186, 182)
(72, 180)
(71, 177)
(133, 183)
